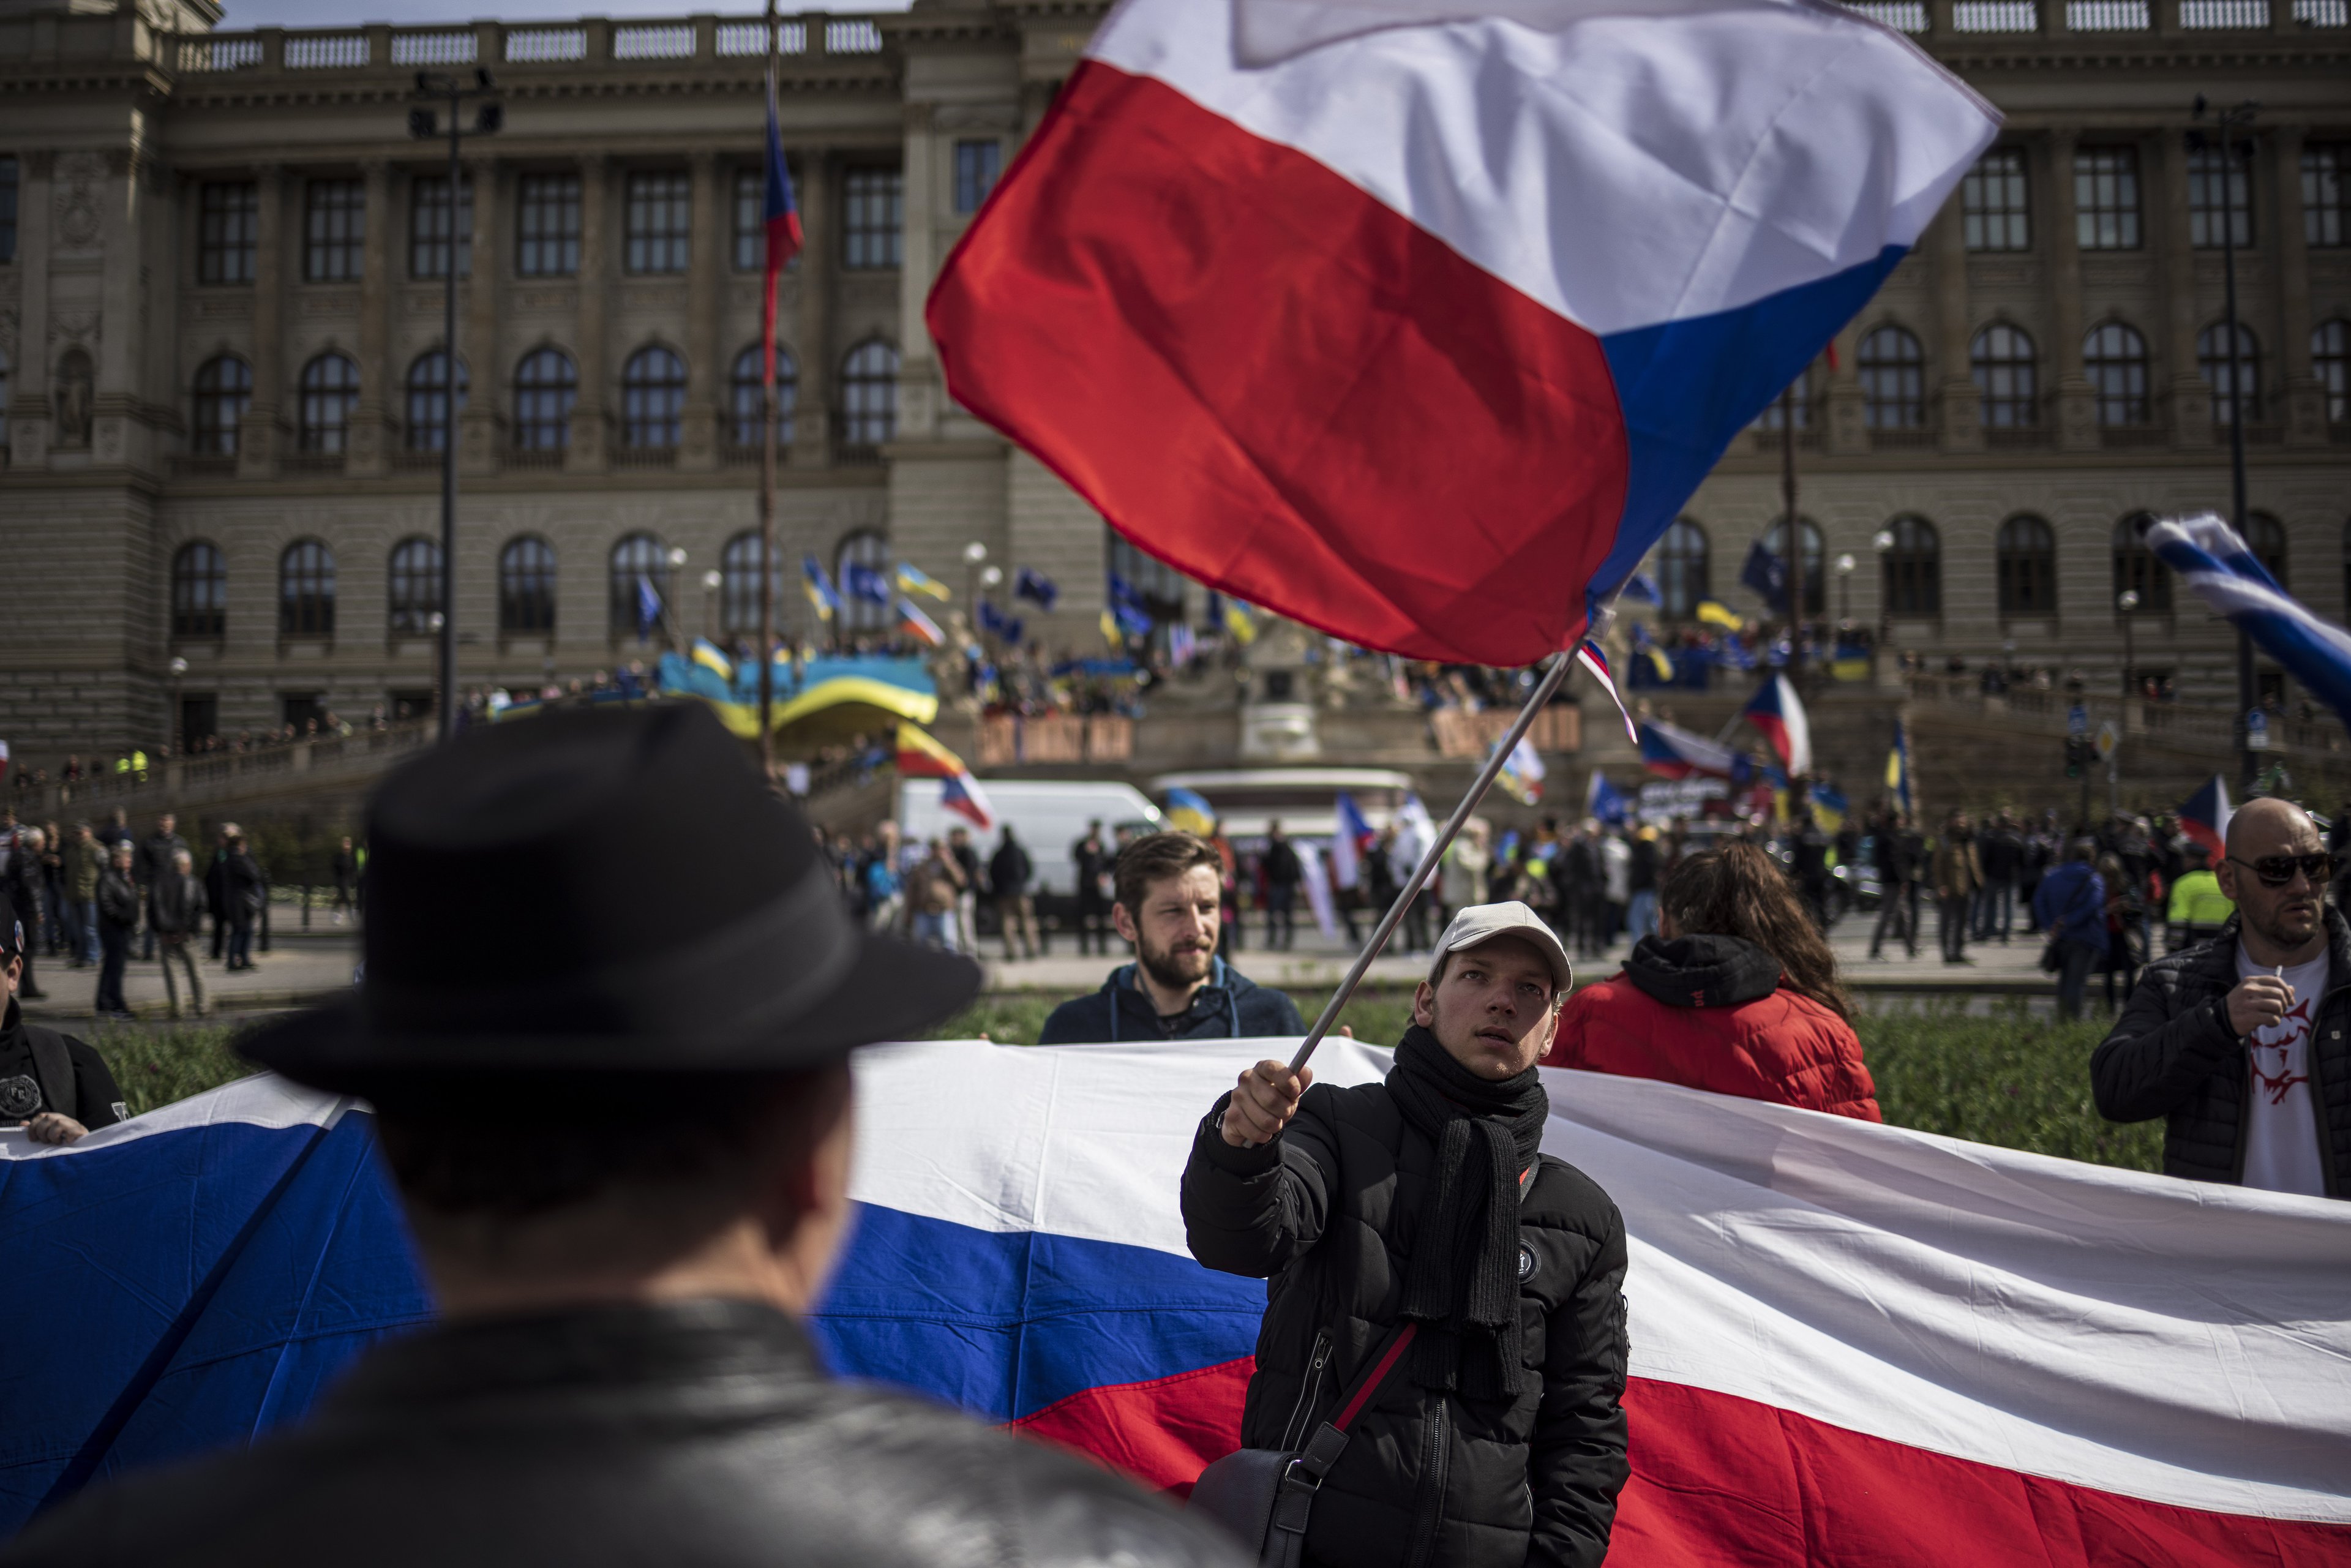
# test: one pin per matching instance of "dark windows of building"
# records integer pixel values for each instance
(429, 220)
(527, 586)
(301, 712)
(2330, 362)
(2224, 372)
(199, 718)
(223, 387)
(653, 398)
(873, 216)
(1798, 401)
(659, 222)
(415, 702)
(330, 390)
(2265, 537)
(414, 584)
(1893, 379)
(870, 550)
(1808, 535)
(2114, 358)
(546, 386)
(976, 165)
(869, 394)
(1684, 580)
(3, 400)
(637, 559)
(1994, 203)
(2347, 566)
(2220, 189)
(228, 231)
(2326, 194)
(2005, 371)
(334, 231)
(1159, 587)
(7, 210)
(2137, 569)
(2027, 555)
(1913, 569)
(745, 393)
(2105, 198)
(305, 590)
(428, 400)
(739, 587)
(199, 591)
(547, 225)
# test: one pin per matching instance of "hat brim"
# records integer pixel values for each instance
(893, 989)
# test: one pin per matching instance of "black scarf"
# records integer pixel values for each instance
(1462, 1283)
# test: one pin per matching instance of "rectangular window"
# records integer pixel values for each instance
(228, 231)
(2219, 187)
(2105, 198)
(428, 228)
(547, 225)
(750, 225)
(872, 214)
(299, 710)
(661, 221)
(7, 210)
(1993, 202)
(976, 165)
(2325, 209)
(334, 231)
(199, 719)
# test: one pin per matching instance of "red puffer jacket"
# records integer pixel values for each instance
(1707, 1012)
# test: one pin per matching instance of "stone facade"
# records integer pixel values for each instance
(119, 122)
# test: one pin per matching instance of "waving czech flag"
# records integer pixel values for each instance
(781, 216)
(1438, 309)
(1778, 713)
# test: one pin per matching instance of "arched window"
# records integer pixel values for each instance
(2002, 362)
(428, 400)
(1893, 379)
(2265, 537)
(869, 394)
(305, 590)
(1913, 569)
(2114, 358)
(1808, 533)
(199, 591)
(331, 389)
(870, 550)
(2137, 569)
(1683, 579)
(223, 387)
(546, 386)
(653, 398)
(2028, 566)
(738, 587)
(2330, 362)
(747, 392)
(638, 557)
(2221, 371)
(527, 586)
(413, 585)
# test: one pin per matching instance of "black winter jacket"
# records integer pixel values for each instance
(1229, 1006)
(2172, 1053)
(689, 1434)
(1325, 1213)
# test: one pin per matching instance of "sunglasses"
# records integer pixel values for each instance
(2276, 870)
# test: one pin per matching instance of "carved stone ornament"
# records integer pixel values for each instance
(76, 388)
(74, 326)
(78, 180)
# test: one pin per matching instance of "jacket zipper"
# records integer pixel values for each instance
(1293, 1432)
(1435, 1454)
(2312, 1050)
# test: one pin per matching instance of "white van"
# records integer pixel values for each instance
(1048, 815)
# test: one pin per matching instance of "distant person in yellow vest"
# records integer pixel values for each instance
(2198, 908)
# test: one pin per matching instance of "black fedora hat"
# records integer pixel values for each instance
(602, 892)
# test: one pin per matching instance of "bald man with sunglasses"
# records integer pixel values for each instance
(2244, 1043)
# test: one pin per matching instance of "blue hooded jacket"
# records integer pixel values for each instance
(2071, 903)
(1229, 1006)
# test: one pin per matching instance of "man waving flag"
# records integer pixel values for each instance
(1438, 309)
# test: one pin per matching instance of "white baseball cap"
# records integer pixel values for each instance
(1480, 923)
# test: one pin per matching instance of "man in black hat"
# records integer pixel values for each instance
(54, 1086)
(624, 1146)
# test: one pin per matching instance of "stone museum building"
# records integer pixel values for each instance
(226, 389)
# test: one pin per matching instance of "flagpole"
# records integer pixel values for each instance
(1795, 557)
(767, 492)
(1559, 665)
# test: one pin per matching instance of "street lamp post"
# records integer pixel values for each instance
(974, 556)
(2229, 121)
(421, 124)
(669, 598)
(2128, 604)
(179, 668)
(1844, 564)
(1882, 542)
(711, 582)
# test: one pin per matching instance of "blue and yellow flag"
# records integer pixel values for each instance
(913, 580)
(1188, 812)
(1898, 769)
(707, 655)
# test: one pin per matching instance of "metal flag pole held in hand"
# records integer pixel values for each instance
(1544, 689)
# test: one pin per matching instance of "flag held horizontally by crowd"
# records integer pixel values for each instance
(1293, 242)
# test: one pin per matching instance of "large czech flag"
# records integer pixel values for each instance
(1418, 320)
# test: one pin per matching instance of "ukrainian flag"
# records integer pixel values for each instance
(707, 655)
(1714, 615)
(1188, 812)
(913, 580)
(1897, 768)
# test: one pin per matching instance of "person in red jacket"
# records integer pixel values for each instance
(1737, 994)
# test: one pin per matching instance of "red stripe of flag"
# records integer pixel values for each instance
(781, 215)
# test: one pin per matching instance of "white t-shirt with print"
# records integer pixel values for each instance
(2282, 1152)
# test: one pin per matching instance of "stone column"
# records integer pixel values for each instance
(819, 209)
(262, 432)
(2190, 399)
(1962, 415)
(922, 393)
(590, 416)
(2074, 406)
(28, 393)
(706, 288)
(1837, 411)
(2304, 399)
(371, 428)
(479, 427)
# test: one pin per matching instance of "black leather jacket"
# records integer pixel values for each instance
(693, 1433)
